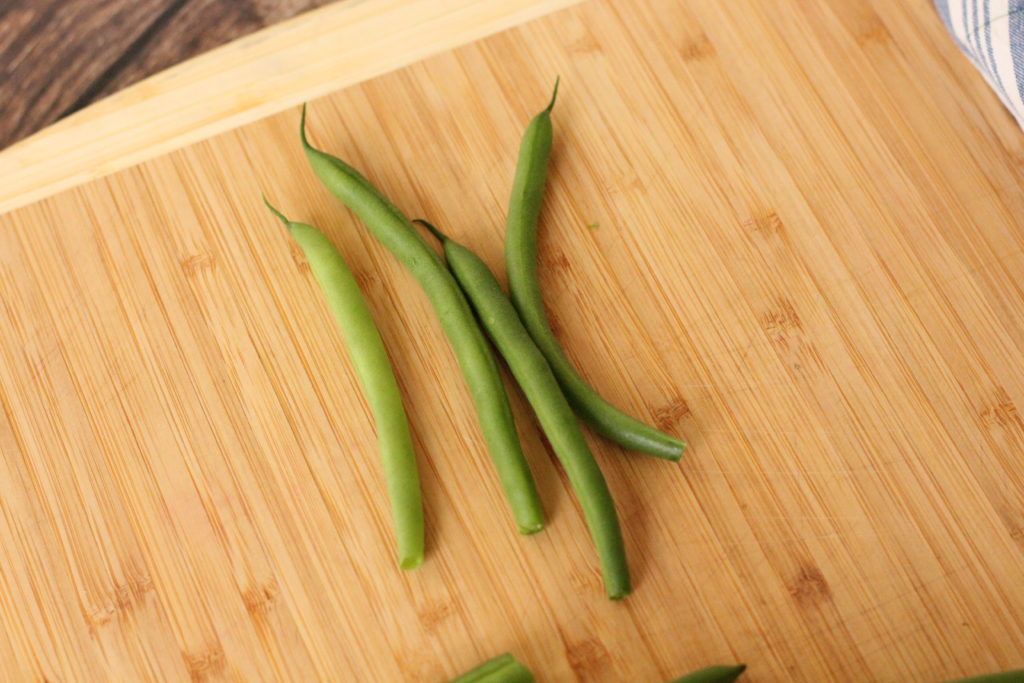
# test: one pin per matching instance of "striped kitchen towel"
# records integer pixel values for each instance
(991, 34)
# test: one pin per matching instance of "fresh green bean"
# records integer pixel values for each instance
(501, 669)
(524, 284)
(1000, 677)
(370, 360)
(531, 370)
(475, 357)
(713, 674)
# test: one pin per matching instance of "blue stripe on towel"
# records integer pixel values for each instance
(1016, 20)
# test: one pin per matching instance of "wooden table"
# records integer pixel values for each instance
(61, 55)
(805, 258)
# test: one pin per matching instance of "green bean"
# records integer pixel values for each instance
(475, 357)
(370, 360)
(1000, 677)
(713, 674)
(531, 370)
(524, 284)
(501, 669)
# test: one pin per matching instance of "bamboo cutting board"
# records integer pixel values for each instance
(790, 232)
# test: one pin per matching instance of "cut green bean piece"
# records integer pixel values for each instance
(524, 284)
(475, 357)
(370, 360)
(501, 669)
(531, 370)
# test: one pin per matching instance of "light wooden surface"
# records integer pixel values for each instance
(805, 258)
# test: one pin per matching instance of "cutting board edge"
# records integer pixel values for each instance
(255, 76)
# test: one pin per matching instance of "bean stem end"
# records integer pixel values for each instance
(554, 95)
(284, 219)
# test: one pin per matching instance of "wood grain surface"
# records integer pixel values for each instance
(61, 55)
(313, 54)
(790, 232)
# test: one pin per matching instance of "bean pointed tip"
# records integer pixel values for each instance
(554, 96)
(736, 672)
(441, 237)
(277, 213)
(302, 128)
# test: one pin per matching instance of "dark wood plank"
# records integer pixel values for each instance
(57, 56)
(52, 50)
